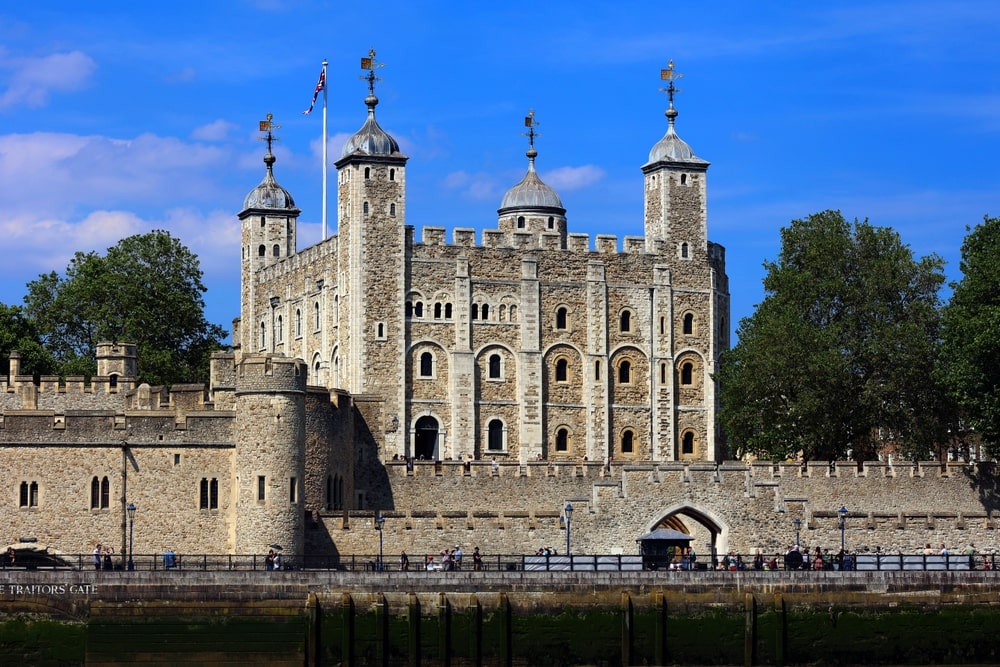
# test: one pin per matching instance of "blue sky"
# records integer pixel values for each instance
(118, 118)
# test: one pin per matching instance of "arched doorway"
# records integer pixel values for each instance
(425, 439)
(707, 530)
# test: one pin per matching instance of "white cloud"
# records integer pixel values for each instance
(215, 131)
(480, 186)
(34, 79)
(573, 178)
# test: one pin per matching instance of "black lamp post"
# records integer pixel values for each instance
(131, 529)
(798, 524)
(379, 520)
(843, 517)
(569, 525)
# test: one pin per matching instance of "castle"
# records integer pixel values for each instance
(466, 393)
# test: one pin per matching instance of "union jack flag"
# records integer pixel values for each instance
(319, 86)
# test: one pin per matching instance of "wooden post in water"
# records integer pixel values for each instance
(413, 619)
(627, 631)
(444, 630)
(312, 630)
(347, 629)
(477, 632)
(750, 631)
(382, 629)
(660, 638)
(506, 632)
(781, 632)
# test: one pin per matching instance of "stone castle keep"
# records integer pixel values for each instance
(465, 391)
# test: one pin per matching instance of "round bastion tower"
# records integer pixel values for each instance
(270, 454)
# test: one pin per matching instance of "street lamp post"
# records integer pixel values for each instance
(798, 524)
(379, 520)
(569, 525)
(131, 531)
(843, 518)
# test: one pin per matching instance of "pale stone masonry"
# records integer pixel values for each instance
(381, 372)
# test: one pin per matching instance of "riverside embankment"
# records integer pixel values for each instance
(498, 618)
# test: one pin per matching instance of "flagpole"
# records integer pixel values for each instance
(325, 86)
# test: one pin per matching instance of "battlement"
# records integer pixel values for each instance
(311, 256)
(270, 372)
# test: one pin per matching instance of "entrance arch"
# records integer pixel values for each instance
(710, 533)
(425, 439)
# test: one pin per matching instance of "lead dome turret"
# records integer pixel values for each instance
(269, 194)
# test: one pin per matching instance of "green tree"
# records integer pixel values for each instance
(970, 336)
(17, 332)
(147, 289)
(837, 359)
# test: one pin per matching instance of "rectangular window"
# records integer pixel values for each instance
(177, 459)
(203, 496)
(213, 494)
(291, 490)
(260, 487)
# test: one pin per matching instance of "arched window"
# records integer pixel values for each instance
(437, 311)
(684, 179)
(486, 311)
(513, 313)
(686, 370)
(316, 315)
(263, 336)
(562, 440)
(418, 309)
(392, 174)
(380, 330)
(447, 311)
(392, 210)
(261, 251)
(298, 322)
(688, 323)
(495, 435)
(684, 250)
(561, 318)
(625, 372)
(625, 321)
(276, 250)
(95, 493)
(628, 442)
(562, 370)
(520, 222)
(475, 311)
(552, 222)
(687, 443)
(663, 373)
(368, 172)
(494, 370)
(364, 208)
(281, 330)
(426, 365)
(502, 312)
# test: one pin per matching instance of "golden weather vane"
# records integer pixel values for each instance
(531, 124)
(268, 126)
(670, 75)
(370, 64)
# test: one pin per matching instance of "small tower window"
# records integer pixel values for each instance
(437, 311)
(625, 373)
(687, 443)
(276, 250)
(426, 365)
(298, 322)
(684, 179)
(447, 311)
(392, 174)
(263, 336)
(686, 372)
(688, 323)
(562, 370)
(392, 210)
(486, 311)
(316, 314)
(625, 321)
(663, 373)
(562, 440)
(597, 370)
(261, 251)
(261, 487)
(561, 318)
(263, 221)
(494, 370)
(495, 435)
(552, 222)
(364, 208)
(281, 330)
(684, 251)
(368, 173)
(475, 311)
(380, 330)
(628, 442)
(520, 222)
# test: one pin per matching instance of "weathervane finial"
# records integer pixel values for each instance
(670, 75)
(268, 126)
(531, 124)
(370, 64)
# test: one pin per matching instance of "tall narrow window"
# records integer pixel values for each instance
(261, 487)
(298, 322)
(597, 370)
(625, 373)
(95, 494)
(486, 311)
(684, 250)
(447, 311)
(687, 443)
(276, 250)
(261, 251)
(392, 174)
(686, 371)
(552, 222)
(426, 365)
(24, 494)
(437, 311)
(409, 309)
(688, 326)
(418, 309)
(368, 172)
(33, 495)
(520, 222)
(494, 366)
(562, 440)
(495, 437)
(561, 318)
(213, 494)
(562, 370)
(105, 493)
(380, 330)
(263, 336)
(628, 442)
(281, 330)
(625, 321)
(364, 208)
(663, 373)
(475, 311)
(203, 495)
(292, 490)
(392, 210)
(316, 315)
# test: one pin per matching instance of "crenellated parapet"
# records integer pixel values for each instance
(605, 244)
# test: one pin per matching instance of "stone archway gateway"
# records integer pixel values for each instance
(425, 439)
(706, 531)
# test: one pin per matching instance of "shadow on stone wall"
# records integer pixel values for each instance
(983, 478)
